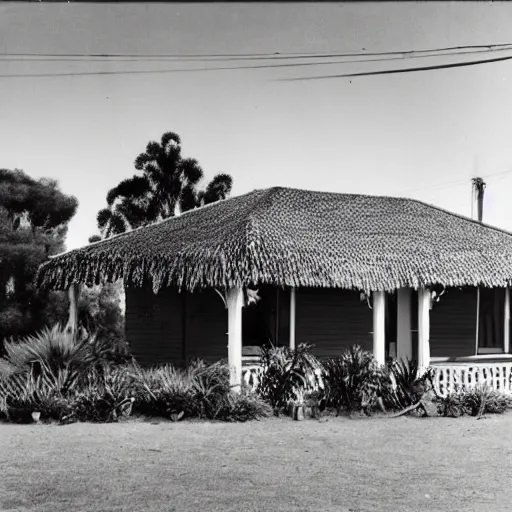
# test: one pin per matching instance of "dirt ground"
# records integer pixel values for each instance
(339, 464)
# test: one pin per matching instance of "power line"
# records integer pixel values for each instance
(450, 184)
(402, 56)
(274, 55)
(399, 70)
(270, 66)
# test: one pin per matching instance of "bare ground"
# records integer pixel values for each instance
(342, 465)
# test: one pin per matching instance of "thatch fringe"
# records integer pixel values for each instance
(289, 237)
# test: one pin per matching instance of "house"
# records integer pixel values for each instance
(399, 277)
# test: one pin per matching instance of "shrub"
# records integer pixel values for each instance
(354, 380)
(21, 395)
(286, 371)
(106, 395)
(166, 390)
(454, 405)
(402, 389)
(197, 391)
(475, 402)
(103, 395)
(56, 349)
(241, 407)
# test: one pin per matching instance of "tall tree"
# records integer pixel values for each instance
(167, 185)
(34, 215)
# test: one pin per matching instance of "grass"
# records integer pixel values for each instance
(342, 465)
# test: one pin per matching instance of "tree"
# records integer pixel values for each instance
(167, 186)
(34, 215)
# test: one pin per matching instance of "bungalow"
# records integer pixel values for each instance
(399, 277)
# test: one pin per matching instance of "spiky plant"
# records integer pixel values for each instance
(105, 395)
(23, 394)
(354, 380)
(53, 350)
(402, 390)
(284, 372)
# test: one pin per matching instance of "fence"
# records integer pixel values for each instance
(447, 378)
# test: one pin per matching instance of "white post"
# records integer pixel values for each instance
(403, 335)
(379, 327)
(477, 335)
(72, 324)
(235, 302)
(506, 327)
(293, 305)
(423, 329)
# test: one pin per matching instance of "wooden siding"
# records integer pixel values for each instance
(154, 326)
(453, 324)
(206, 326)
(333, 319)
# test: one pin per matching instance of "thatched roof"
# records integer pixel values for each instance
(292, 237)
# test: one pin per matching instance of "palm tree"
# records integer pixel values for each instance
(168, 186)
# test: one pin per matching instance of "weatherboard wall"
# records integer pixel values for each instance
(453, 324)
(154, 326)
(206, 326)
(332, 319)
(173, 327)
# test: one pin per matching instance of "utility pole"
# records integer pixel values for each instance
(478, 187)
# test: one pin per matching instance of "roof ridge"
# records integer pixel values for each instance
(252, 224)
(460, 216)
(157, 223)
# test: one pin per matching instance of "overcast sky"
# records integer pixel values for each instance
(422, 135)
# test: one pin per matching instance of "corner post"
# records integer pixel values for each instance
(235, 302)
(293, 307)
(424, 298)
(379, 327)
(404, 339)
(506, 327)
(73, 293)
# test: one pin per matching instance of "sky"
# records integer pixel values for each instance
(421, 135)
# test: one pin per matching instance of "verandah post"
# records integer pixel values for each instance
(72, 324)
(424, 298)
(293, 305)
(379, 327)
(404, 339)
(235, 302)
(506, 327)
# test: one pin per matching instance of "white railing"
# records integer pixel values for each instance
(447, 378)
(453, 378)
(251, 377)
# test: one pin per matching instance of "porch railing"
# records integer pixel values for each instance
(251, 376)
(447, 378)
(453, 378)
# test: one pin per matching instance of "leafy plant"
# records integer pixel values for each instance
(454, 405)
(285, 372)
(241, 407)
(105, 396)
(475, 401)
(53, 350)
(196, 391)
(402, 388)
(211, 386)
(354, 380)
(21, 395)
(164, 391)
